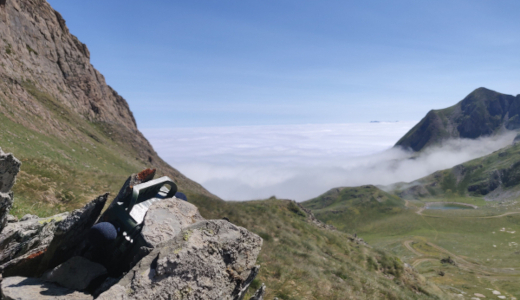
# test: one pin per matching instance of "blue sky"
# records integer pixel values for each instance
(234, 63)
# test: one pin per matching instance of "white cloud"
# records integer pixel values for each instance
(303, 161)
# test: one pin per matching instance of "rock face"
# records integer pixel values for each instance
(9, 168)
(22, 288)
(482, 113)
(49, 86)
(18, 238)
(209, 260)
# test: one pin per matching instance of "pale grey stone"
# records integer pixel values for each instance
(23, 288)
(76, 273)
(166, 218)
(208, 260)
(11, 219)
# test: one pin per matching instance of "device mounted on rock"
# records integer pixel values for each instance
(127, 214)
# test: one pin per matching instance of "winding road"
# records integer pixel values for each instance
(420, 210)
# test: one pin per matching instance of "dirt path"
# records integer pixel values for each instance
(461, 262)
(420, 210)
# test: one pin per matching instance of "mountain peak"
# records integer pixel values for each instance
(483, 112)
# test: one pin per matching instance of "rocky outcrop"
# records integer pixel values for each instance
(9, 168)
(183, 256)
(482, 113)
(18, 238)
(208, 260)
(22, 288)
(71, 232)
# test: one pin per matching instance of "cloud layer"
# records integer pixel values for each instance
(303, 161)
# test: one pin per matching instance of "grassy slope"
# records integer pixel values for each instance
(62, 172)
(302, 261)
(351, 207)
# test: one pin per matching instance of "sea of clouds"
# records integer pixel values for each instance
(303, 161)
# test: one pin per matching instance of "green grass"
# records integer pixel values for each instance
(350, 208)
(301, 261)
(481, 241)
(61, 173)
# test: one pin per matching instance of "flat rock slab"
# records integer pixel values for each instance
(23, 288)
(76, 273)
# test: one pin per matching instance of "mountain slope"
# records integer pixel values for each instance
(61, 118)
(347, 208)
(482, 113)
(494, 176)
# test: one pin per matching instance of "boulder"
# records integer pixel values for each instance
(71, 232)
(9, 168)
(212, 259)
(23, 288)
(167, 218)
(76, 273)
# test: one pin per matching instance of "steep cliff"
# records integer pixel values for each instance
(55, 105)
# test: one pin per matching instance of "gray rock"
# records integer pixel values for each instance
(6, 202)
(165, 219)
(22, 245)
(28, 217)
(9, 168)
(259, 294)
(18, 238)
(76, 273)
(209, 260)
(71, 232)
(25, 265)
(23, 288)
(12, 219)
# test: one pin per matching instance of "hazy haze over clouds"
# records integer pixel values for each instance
(303, 161)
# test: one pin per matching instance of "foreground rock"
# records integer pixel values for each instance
(22, 288)
(76, 273)
(9, 168)
(71, 232)
(211, 259)
(166, 219)
(20, 238)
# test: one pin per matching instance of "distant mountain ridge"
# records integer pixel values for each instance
(482, 113)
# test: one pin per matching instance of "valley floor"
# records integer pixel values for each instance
(480, 247)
